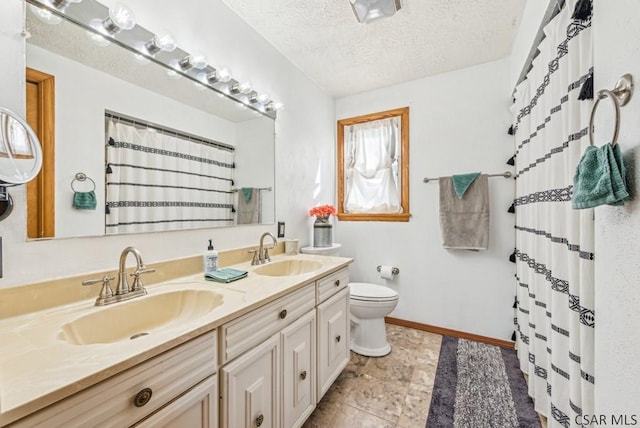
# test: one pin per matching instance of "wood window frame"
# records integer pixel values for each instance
(403, 113)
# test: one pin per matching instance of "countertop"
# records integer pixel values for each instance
(38, 367)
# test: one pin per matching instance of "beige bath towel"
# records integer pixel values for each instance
(465, 222)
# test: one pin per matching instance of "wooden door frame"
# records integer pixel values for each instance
(45, 130)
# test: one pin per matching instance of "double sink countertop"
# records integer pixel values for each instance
(42, 361)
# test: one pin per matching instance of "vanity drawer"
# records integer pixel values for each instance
(331, 284)
(249, 330)
(111, 402)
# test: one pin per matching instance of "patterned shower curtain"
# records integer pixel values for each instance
(554, 243)
(159, 182)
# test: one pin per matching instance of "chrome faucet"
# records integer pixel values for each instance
(123, 291)
(261, 255)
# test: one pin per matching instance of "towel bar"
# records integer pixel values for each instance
(505, 174)
(620, 96)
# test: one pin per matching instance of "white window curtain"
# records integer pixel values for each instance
(371, 164)
(157, 182)
(555, 316)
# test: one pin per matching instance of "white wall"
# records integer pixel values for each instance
(304, 139)
(458, 124)
(617, 300)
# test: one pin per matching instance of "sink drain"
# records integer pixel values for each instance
(135, 336)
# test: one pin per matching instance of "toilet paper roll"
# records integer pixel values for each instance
(386, 272)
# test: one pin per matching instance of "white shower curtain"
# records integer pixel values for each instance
(371, 165)
(554, 243)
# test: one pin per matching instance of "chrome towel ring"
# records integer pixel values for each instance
(81, 176)
(620, 96)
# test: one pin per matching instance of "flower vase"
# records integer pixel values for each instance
(322, 232)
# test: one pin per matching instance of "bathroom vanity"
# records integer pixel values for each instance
(261, 352)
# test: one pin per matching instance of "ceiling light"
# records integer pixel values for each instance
(120, 18)
(166, 43)
(367, 11)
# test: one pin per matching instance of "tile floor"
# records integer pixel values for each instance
(391, 391)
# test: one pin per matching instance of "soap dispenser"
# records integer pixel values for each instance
(210, 259)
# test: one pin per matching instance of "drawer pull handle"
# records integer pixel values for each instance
(283, 314)
(337, 283)
(259, 420)
(338, 338)
(142, 397)
(303, 375)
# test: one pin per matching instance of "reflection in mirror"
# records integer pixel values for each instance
(91, 80)
(20, 153)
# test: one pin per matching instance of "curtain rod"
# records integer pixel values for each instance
(505, 174)
(167, 131)
(553, 9)
(268, 189)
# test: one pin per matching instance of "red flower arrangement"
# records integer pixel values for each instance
(323, 212)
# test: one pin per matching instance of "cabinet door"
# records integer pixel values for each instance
(298, 370)
(333, 339)
(251, 388)
(198, 408)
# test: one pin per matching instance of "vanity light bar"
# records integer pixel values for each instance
(147, 44)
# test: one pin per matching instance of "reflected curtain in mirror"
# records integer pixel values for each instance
(159, 182)
(373, 153)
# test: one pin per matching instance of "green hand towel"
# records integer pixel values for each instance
(85, 200)
(226, 275)
(462, 182)
(600, 178)
(247, 192)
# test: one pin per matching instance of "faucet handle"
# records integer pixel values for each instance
(255, 260)
(105, 291)
(137, 281)
(265, 256)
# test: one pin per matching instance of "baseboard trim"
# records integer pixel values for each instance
(449, 332)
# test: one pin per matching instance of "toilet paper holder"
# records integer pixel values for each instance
(394, 270)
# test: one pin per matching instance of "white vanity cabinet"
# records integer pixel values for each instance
(298, 370)
(333, 328)
(280, 358)
(175, 385)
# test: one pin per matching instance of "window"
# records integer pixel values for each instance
(373, 167)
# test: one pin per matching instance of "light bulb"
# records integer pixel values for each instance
(245, 87)
(193, 61)
(224, 74)
(45, 15)
(120, 18)
(165, 42)
(263, 98)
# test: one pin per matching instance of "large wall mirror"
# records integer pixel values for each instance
(79, 88)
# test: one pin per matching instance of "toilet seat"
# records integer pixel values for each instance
(363, 291)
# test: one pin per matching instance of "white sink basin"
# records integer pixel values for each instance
(139, 317)
(288, 268)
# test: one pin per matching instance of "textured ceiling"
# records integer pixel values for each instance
(426, 37)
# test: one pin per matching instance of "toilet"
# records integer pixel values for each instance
(369, 304)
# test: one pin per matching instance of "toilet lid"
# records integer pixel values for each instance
(366, 291)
